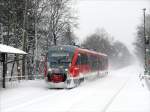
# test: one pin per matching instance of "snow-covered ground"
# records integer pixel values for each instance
(120, 91)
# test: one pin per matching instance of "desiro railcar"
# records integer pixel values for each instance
(67, 66)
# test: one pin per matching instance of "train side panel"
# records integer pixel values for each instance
(85, 62)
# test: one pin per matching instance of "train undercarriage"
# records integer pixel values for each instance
(65, 81)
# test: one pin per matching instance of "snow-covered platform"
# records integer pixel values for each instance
(9, 49)
(120, 91)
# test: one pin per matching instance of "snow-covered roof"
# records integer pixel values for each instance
(9, 49)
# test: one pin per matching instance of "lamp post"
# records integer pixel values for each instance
(145, 42)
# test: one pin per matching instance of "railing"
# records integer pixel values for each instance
(14, 81)
(17, 78)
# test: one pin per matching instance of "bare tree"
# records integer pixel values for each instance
(34, 24)
(101, 41)
(59, 16)
(139, 42)
(69, 37)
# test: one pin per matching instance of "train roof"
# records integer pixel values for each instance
(63, 47)
(91, 51)
(72, 48)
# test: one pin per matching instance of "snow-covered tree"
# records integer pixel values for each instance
(139, 42)
(117, 52)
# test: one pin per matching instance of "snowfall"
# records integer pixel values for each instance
(121, 90)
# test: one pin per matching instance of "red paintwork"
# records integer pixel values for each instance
(45, 67)
(74, 71)
(81, 68)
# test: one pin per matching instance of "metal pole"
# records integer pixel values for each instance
(4, 68)
(144, 40)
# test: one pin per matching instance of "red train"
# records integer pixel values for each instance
(67, 66)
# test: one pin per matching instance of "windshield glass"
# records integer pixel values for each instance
(59, 59)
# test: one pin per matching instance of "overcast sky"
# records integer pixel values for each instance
(118, 17)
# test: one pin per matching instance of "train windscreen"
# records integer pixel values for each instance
(60, 59)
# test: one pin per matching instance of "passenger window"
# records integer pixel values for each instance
(82, 59)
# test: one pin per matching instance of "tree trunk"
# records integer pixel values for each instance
(54, 35)
(24, 40)
(18, 68)
(12, 69)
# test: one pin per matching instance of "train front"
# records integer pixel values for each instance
(58, 61)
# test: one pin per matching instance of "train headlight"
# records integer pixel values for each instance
(50, 70)
(66, 70)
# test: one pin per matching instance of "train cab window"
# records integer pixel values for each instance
(78, 62)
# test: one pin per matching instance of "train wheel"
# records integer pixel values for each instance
(82, 80)
(70, 84)
(74, 83)
(77, 82)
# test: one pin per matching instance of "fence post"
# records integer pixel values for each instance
(4, 68)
